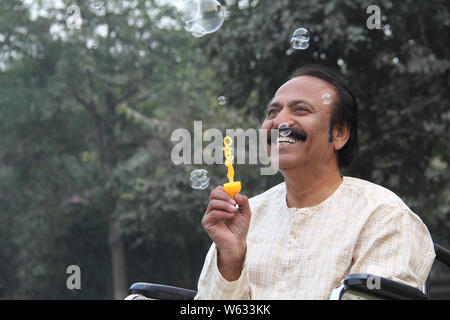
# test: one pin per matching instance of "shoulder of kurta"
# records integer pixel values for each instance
(377, 196)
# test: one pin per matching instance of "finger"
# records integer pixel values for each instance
(220, 205)
(244, 206)
(216, 215)
(220, 194)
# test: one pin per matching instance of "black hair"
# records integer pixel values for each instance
(345, 110)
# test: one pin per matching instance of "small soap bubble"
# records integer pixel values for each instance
(222, 100)
(300, 39)
(301, 34)
(284, 129)
(299, 45)
(199, 179)
(326, 98)
(96, 4)
(387, 30)
(395, 60)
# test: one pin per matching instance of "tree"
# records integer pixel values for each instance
(87, 106)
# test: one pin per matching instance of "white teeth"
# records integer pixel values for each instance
(284, 140)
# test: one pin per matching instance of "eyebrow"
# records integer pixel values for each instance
(275, 104)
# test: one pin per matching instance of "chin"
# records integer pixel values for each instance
(287, 164)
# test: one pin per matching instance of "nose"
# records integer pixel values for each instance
(283, 117)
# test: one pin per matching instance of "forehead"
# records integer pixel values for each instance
(305, 88)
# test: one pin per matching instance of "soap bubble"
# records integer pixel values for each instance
(222, 100)
(96, 4)
(199, 179)
(201, 16)
(284, 129)
(188, 10)
(211, 15)
(196, 29)
(326, 98)
(300, 39)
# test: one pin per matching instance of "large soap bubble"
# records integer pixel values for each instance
(211, 15)
(200, 17)
(187, 10)
(199, 179)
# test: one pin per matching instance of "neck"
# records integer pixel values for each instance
(307, 188)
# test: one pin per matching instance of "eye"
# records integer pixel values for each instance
(272, 112)
(299, 109)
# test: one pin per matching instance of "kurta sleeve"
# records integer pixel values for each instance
(212, 286)
(394, 244)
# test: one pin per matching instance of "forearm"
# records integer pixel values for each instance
(213, 285)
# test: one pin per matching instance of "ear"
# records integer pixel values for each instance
(341, 134)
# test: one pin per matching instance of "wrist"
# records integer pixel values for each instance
(235, 254)
(231, 264)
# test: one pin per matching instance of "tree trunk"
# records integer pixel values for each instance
(118, 261)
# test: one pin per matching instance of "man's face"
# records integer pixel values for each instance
(299, 103)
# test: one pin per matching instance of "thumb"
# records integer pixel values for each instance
(244, 206)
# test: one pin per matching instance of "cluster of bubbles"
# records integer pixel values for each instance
(199, 179)
(300, 39)
(201, 17)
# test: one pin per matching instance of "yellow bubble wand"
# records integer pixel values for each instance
(232, 187)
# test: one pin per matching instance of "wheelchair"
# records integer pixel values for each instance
(358, 286)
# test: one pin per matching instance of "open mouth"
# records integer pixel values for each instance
(282, 141)
(292, 137)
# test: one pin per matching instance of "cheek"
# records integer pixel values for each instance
(267, 124)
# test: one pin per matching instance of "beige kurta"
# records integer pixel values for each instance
(305, 253)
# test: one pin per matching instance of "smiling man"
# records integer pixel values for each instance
(301, 238)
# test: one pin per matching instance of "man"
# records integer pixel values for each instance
(301, 238)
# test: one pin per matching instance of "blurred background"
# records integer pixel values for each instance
(90, 92)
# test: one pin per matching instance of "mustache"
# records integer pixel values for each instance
(295, 133)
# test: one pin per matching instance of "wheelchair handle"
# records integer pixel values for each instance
(442, 254)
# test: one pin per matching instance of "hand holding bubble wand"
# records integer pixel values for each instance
(232, 187)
